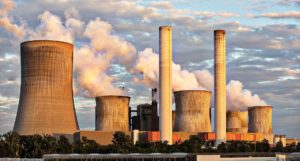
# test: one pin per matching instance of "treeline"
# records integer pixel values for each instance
(35, 146)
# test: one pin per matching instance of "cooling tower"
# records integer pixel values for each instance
(46, 104)
(220, 85)
(112, 113)
(237, 121)
(192, 111)
(260, 119)
(165, 83)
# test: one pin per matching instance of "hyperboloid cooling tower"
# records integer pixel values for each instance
(46, 104)
(260, 119)
(237, 121)
(220, 85)
(192, 111)
(112, 113)
(165, 83)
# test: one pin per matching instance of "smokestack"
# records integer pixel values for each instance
(192, 111)
(46, 104)
(220, 85)
(112, 113)
(237, 121)
(165, 83)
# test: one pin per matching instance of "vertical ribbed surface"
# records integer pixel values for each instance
(192, 111)
(46, 103)
(260, 119)
(237, 121)
(112, 113)
(165, 83)
(220, 85)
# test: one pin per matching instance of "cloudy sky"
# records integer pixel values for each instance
(263, 48)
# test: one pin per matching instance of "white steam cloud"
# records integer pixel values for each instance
(238, 98)
(92, 59)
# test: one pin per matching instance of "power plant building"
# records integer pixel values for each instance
(165, 83)
(46, 104)
(112, 113)
(220, 85)
(192, 111)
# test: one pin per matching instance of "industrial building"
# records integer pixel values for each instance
(46, 102)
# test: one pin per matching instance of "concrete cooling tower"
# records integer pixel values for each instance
(46, 104)
(112, 113)
(192, 111)
(260, 119)
(237, 121)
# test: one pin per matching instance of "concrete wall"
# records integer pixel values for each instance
(192, 111)
(46, 103)
(112, 113)
(101, 137)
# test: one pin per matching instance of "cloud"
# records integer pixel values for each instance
(282, 15)
(7, 22)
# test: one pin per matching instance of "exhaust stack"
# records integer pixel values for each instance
(165, 83)
(220, 85)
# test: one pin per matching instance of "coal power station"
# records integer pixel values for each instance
(46, 104)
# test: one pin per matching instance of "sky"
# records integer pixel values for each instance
(262, 37)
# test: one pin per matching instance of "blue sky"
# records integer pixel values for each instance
(263, 46)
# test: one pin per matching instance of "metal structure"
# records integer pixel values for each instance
(220, 85)
(46, 104)
(192, 111)
(165, 83)
(237, 121)
(260, 119)
(112, 113)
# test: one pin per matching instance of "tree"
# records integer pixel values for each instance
(263, 146)
(193, 145)
(11, 142)
(86, 146)
(64, 146)
(278, 147)
(121, 143)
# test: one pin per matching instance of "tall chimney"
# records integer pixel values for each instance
(220, 86)
(165, 83)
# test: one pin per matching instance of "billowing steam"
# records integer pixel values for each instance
(147, 63)
(94, 57)
(239, 98)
